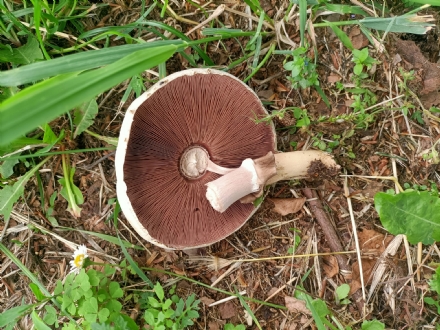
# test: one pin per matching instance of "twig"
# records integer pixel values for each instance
(332, 238)
(227, 299)
(356, 239)
(220, 9)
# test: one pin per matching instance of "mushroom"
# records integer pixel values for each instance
(189, 130)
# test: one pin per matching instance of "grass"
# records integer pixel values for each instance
(67, 71)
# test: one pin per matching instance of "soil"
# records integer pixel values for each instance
(388, 144)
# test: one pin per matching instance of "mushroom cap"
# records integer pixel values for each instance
(193, 108)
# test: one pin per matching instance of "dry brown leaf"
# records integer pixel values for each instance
(286, 206)
(207, 301)
(330, 265)
(227, 310)
(372, 243)
(358, 39)
(296, 306)
(332, 78)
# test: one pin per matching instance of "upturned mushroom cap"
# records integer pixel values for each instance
(172, 138)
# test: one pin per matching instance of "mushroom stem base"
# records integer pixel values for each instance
(246, 183)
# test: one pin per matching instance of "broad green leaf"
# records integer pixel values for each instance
(103, 315)
(413, 213)
(373, 325)
(159, 291)
(14, 313)
(71, 193)
(9, 195)
(51, 315)
(84, 116)
(74, 63)
(46, 100)
(115, 290)
(7, 168)
(342, 291)
(49, 136)
(19, 143)
(22, 55)
(37, 292)
(434, 284)
(38, 322)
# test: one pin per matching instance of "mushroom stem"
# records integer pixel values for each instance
(295, 164)
(247, 181)
(224, 191)
(213, 167)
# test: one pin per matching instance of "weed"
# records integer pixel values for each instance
(363, 61)
(302, 71)
(341, 294)
(90, 298)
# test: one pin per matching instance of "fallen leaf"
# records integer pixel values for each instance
(358, 39)
(330, 265)
(213, 326)
(372, 243)
(284, 206)
(207, 301)
(227, 310)
(332, 78)
(296, 306)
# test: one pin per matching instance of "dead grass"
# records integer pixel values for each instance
(391, 145)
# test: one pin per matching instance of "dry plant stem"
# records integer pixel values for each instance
(356, 239)
(220, 9)
(332, 238)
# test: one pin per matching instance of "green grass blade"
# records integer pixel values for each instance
(46, 100)
(302, 19)
(24, 269)
(427, 2)
(247, 308)
(107, 238)
(10, 194)
(75, 62)
(342, 36)
(401, 24)
(11, 315)
(182, 36)
(134, 265)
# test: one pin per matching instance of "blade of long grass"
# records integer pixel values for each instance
(75, 62)
(401, 24)
(31, 276)
(24, 269)
(182, 36)
(302, 19)
(46, 100)
(247, 308)
(37, 21)
(105, 237)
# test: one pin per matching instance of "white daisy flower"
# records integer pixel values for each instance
(79, 256)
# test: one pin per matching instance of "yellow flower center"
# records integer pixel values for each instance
(78, 261)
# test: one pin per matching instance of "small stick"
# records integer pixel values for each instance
(227, 299)
(332, 238)
(220, 9)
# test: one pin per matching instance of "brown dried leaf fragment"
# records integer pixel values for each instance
(296, 306)
(284, 206)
